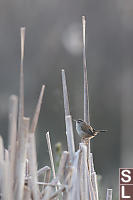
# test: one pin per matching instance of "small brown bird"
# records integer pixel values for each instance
(86, 131)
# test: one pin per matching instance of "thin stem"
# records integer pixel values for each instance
(50, 153)
(37, 111)
(21, 90)
(86, 95)
(65, 93)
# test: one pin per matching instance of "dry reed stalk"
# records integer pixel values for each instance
(8, 176)
(91, 164)
(86, 100)
(84, 187)
(21, 159)
(1, 149)
(65, 93)
(47, 175)
(94, 184)
(13, 108)
(50, 153)
(70, 138)
(7, 193)
(2, 188)
(62, 166)
(42, 170)
(68, 119)
(91, 189)
(33, 167)
(21, 90)
(93, 177)
(4, 192)
(46, 172)
(1, 165)
(86, 95)
(109, 194)
(49, 190)
(74, 185)
(37, 111)
(48, 184)
(68, 182)
(55, 194)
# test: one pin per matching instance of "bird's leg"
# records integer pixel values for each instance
(86, 141)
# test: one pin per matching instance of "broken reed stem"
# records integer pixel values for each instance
(65, 93)
(70, 138)
(109, 194)
(55, 194)
(93, 177)
(21, 90)
(8, 176)
(47, 175)
(13, 108)
(50, 153)
(37, 111)
(68, 119)
(94, 185)
(33, 167)
(49, 190)
(42, 170)
(5, 185)
(62, 165)
(74, 191)
(84, 173)
(21, 158)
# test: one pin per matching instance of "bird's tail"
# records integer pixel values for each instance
(100, 131)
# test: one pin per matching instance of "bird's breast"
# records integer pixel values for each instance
(80, 132)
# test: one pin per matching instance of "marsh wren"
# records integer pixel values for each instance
(86, 131)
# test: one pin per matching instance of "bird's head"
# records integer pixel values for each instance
(79, 121)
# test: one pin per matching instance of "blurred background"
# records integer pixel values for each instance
(54, 41)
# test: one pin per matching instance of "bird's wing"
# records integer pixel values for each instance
(87, 129)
